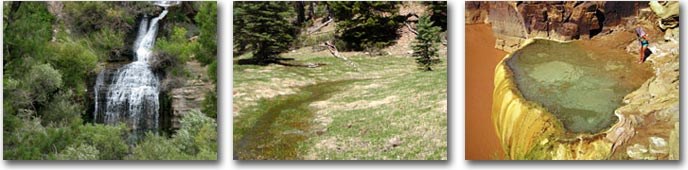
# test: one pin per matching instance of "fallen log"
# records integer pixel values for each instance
(410, 29)
(333, 50)
(310, 31)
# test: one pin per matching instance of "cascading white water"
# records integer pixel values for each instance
(99, 83)
(167, 3)
(132, 96)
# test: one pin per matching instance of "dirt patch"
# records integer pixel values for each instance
(363, 104)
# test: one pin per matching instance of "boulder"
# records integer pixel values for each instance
(658, 145)
(638, 152)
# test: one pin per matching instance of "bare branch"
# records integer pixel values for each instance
(410, 29)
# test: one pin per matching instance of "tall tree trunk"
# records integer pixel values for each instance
(329, 11)
(311, 10)
(300, 7)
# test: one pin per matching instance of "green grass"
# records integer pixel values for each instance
(389, 99)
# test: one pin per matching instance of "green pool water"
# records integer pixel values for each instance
(581, 87)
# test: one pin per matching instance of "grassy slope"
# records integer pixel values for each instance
(394, 112)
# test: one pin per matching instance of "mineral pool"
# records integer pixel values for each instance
(581, 87)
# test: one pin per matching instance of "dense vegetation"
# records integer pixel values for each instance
(51, 51)
(269, 28)
(263, 27)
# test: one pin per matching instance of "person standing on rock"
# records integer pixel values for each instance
(642, 37)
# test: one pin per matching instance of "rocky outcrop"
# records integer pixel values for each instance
(513, 22)
(507, 25)
(190, 94)
(652, 111)
(476, 12)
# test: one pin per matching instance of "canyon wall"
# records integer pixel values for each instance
(514, 22)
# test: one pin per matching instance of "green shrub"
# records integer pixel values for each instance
(107, 139)
(177, 45)
(155, 147)
(41, 81)
(195, 140)
(74, 62)
(79, 152)
(104, 41)
(61, 111)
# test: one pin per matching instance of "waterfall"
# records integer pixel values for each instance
(131, 93)
(167, 3)
(99, 84)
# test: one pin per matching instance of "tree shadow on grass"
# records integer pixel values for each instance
(291, 62)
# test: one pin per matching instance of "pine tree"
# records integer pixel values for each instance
(438, 14)
(264, 27)
(425, 48)
(365, 24)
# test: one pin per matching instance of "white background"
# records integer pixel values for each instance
(456, 112)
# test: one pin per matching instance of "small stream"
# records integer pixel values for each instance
(285, 123)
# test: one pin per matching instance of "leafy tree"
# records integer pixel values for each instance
(365, 24)
(35, 89)
(207, 21)
(27, 33)
(74, 62)
(264, 27)
(425, 47)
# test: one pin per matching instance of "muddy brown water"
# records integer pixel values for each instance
(481, 58)
(278, 131)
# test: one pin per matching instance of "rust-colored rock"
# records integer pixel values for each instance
(551, 20)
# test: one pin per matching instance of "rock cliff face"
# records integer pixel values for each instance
(190, 94)
(648, 122)
(514, 22)
(476, 12)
